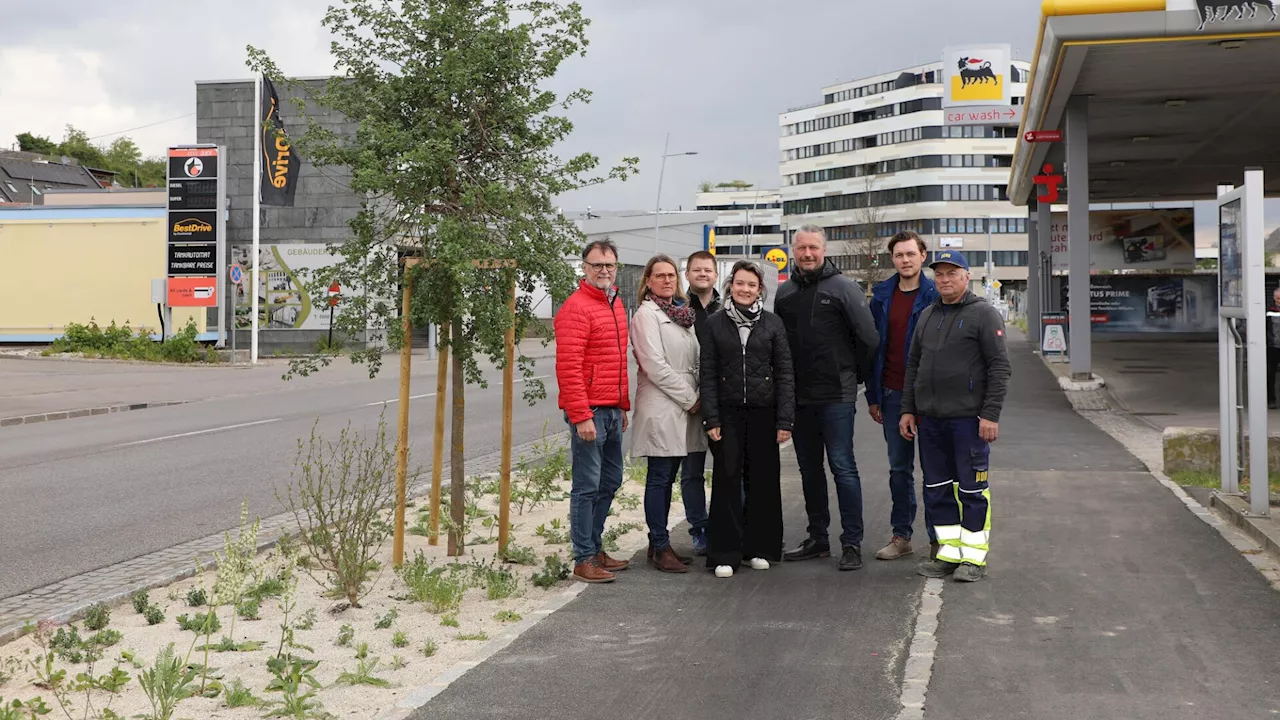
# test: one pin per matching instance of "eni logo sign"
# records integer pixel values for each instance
(192, 226)
(977, 75)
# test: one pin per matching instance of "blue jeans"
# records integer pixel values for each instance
(660, 476)
(693, 488)
(829, 428)
(597, 475)
(902, 468)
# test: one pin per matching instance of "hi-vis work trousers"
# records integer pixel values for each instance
(954, 461)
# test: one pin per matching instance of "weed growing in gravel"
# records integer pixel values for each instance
(293, 678)
(385, 621)
(441, 589)
(154, 615)
(609, 540)
(169, 681)
(363, 675)
(553, 571)
(248, 609)
(449, 621)
(141, 601)
(518, 554)
(399, 640)
(508, 616)
(97, 617)
(197, 597)
(346, 634)
(482, 635)
(236, 695)
(429, 648)
(339, 497)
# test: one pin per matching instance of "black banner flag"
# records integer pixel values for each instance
(279, 179)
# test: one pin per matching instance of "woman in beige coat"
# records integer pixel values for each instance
(667, 426)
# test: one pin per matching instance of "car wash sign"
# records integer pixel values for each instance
(977, 86)
(195, 226)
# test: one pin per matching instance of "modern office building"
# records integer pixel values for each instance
(875, 156)
(748, 221)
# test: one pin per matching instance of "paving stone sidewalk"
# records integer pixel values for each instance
(67, 599)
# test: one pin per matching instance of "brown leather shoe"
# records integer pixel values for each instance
(591, 572)
(681, 558)
(667, 561)
(612, 564)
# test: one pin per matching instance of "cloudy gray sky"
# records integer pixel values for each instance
(714, 73)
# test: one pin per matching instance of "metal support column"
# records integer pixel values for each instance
(1044, 220)
(1228, 459)
(1255, 348)
(1078, 237)
(1033, 274)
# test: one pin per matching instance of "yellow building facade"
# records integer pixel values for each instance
(73, 264)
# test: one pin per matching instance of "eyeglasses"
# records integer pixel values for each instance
(602, 267)
(663, 276)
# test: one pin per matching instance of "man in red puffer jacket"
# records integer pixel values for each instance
(591, 371)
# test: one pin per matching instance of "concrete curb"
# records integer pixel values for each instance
(1236, 511)
(83, 412)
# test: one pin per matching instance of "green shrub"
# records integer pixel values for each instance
(121, 342)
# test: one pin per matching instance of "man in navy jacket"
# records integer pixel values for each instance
(896, 304)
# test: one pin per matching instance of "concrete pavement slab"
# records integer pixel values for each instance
(800, 640)
(1106, 597)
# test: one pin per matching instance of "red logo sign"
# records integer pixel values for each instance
(334, 291)
(193, 292)
(1051, 181)
(1042, 136)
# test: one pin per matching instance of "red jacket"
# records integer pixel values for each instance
(591, 353)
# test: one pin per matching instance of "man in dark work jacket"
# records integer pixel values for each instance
(700, 272)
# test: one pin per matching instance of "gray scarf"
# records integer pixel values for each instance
(744, 317)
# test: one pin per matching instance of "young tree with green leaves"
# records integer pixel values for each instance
(454, 159)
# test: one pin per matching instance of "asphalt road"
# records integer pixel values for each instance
(77, 495)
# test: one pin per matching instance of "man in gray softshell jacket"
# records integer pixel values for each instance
(957, 375)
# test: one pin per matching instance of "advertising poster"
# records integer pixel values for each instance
(1230, 257)
(1152, 303)
(1132, 240)
(283, 273)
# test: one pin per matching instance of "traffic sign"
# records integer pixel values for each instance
(237, 273)
(334, 290)
(1042, 136)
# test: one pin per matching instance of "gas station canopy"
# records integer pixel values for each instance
(1183, 95)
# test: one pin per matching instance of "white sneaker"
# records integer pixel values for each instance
(724, 571)
(759, 564)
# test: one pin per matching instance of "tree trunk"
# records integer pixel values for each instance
(457, 467)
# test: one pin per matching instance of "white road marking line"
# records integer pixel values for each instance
(392, 401)
(199, 432)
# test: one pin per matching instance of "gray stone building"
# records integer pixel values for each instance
(323, 206)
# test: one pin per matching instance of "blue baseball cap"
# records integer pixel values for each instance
(950, 257)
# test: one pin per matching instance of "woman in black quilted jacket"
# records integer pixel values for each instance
(748, 405)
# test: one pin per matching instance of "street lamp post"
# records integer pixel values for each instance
(657, 209)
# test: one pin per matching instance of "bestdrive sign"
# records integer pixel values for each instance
(195, 191)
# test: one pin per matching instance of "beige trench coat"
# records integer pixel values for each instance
(666, 386)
